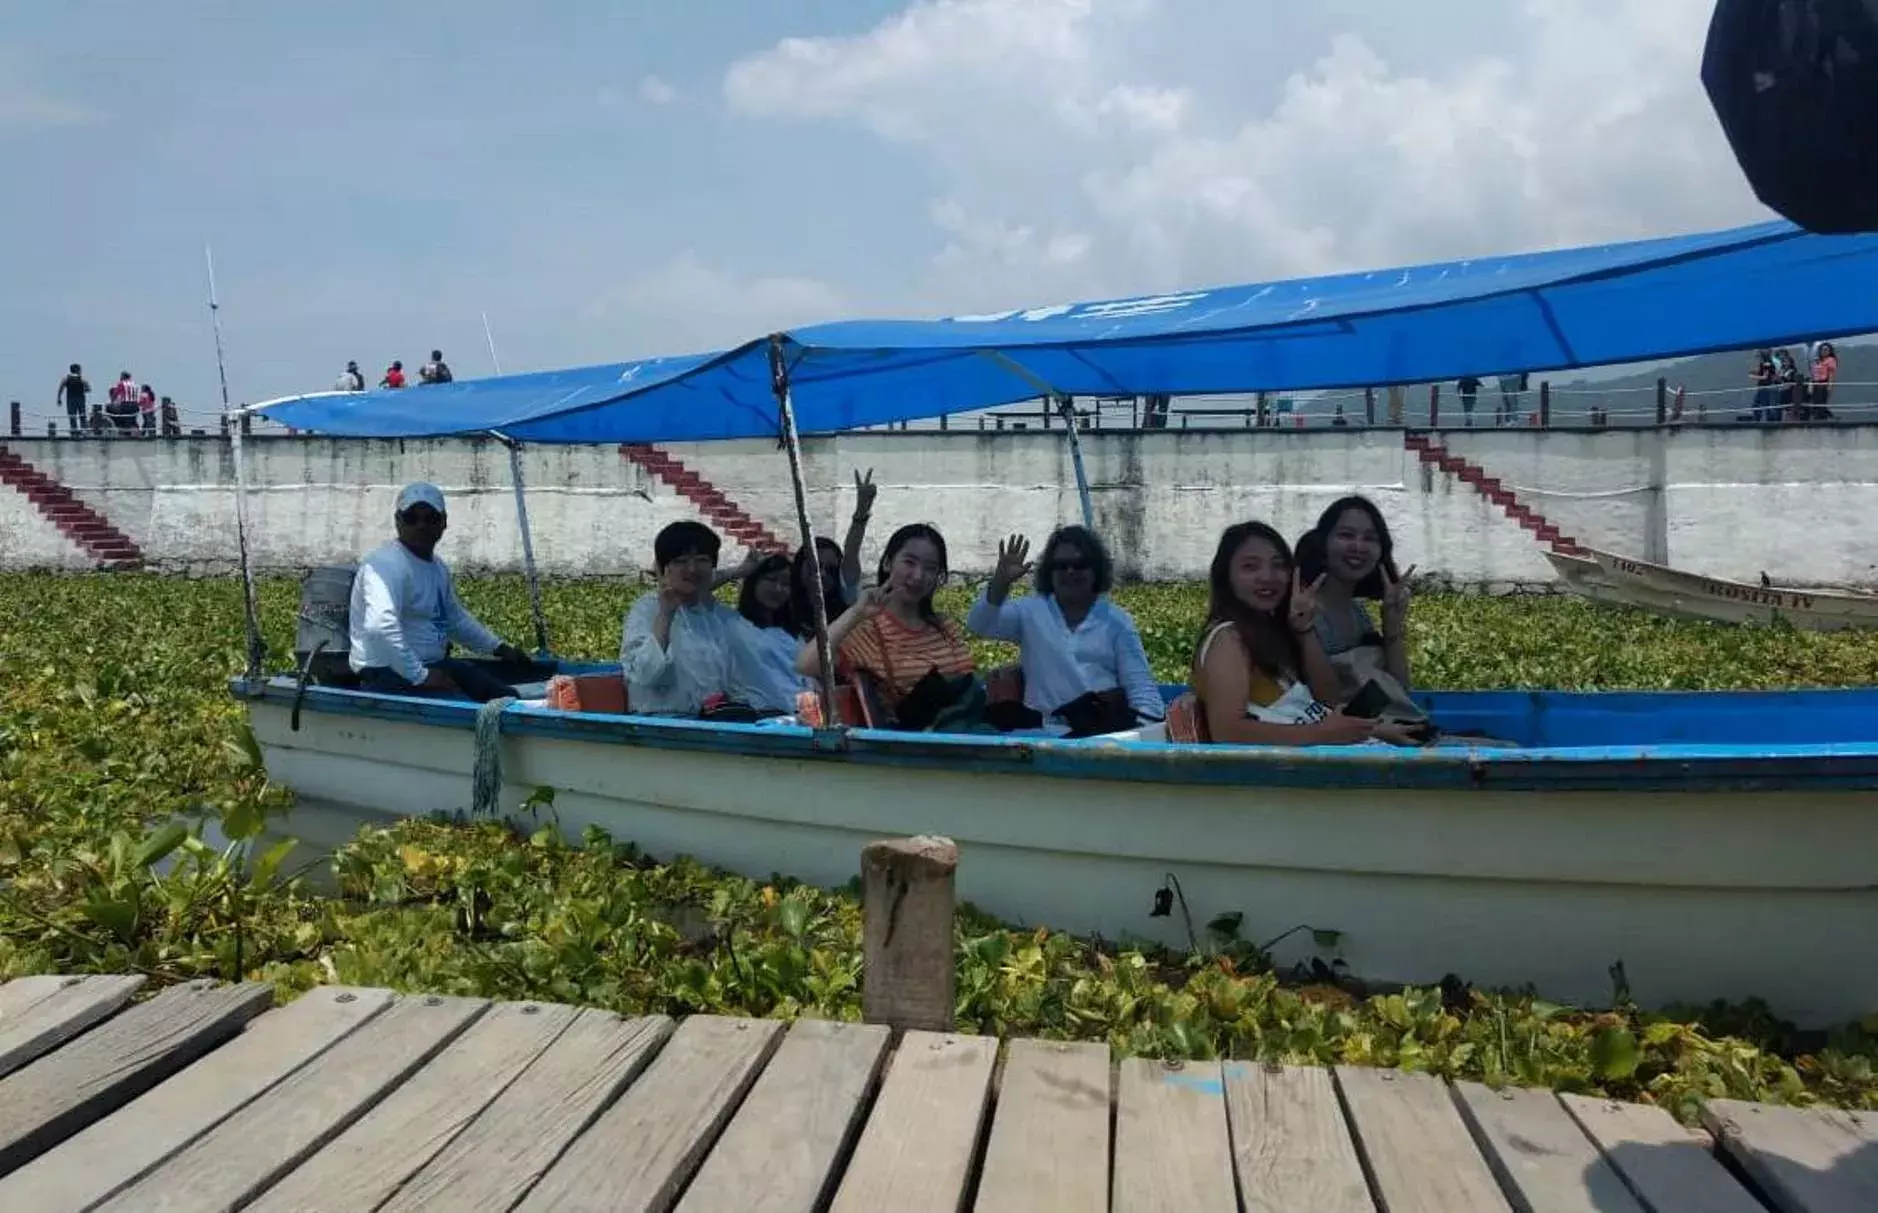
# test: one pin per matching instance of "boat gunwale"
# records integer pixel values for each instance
(1682, 767)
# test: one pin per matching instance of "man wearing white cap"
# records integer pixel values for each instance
(405, 609)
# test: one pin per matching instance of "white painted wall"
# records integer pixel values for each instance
(29, 541)
(1796, 503)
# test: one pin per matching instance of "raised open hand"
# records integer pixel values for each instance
(1303, 614)
(1013, 560)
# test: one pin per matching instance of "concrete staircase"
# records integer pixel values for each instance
(84, 526)
(725, 514)
(1430, 451)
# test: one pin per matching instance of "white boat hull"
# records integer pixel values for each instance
(1768, 894)
(1605, 577)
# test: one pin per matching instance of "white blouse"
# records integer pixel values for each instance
(1062, 663)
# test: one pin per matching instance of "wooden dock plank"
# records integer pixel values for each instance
(639, 1154)
(365, 1164)
(1416, 1151)
(506, 1150)
(781, 1150)
(1290, 1143)
(1670, 1168)
(1805, 1160)
(48, 1011)
(1049, 1148)
(1173, 1148)
(1544, 1161)
(121, 1148)
(226, 1167)
(107, 1067)
(918, 1148)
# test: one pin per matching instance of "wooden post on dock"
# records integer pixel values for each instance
(13, 418)
(1545, 403)
(1434, 406)
(907, 902)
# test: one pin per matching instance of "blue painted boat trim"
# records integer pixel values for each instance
(1838, 765)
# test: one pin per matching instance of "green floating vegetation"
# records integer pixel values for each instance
(119, 744)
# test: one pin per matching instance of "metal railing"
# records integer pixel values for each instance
(1423, 406)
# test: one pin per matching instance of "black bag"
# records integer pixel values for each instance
(1795, 84)
(931, 695)
(1097, 712)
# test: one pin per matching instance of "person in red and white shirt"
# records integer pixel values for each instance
(122, 406)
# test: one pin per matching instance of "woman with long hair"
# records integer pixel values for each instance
(839, 566)
(766, 604)
(1825, 374)
(1081, 655)
(916, 658)
(1351, 549)
(1259, 671)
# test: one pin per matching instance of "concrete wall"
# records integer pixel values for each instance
(1796, 503)
(29, 541)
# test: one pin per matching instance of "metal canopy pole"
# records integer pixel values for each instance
(1066, 406)
(529, 572)
(779, 383)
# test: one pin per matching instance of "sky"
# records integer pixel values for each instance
(607, 181)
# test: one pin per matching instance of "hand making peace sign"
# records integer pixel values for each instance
(1303, 616)
(1395, 601)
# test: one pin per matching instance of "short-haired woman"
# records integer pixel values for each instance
(1083, 662)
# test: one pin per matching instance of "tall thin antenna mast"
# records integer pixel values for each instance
(215, 318)
(250, 606)
(491, 339)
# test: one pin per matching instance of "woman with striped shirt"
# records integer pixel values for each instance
(892, 633)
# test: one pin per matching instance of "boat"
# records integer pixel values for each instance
(1717, 845)
(1699, 845)
(1607, 577)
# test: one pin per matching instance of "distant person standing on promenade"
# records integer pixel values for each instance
(1511, 388)
(72, 393)
(1470, 392)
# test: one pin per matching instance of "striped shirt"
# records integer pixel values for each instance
(899, 656)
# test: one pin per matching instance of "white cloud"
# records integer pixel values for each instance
(655, 91)
(693, 305)
(1081, 147)
(27, 106)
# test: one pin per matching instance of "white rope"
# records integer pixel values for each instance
(486, 776)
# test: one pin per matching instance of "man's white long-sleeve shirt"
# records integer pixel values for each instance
(1062, 663)
(710, 650)
(403, 610)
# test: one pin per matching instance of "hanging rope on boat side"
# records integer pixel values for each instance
(486, 776)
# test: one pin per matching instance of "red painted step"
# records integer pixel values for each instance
(1431, 451)
(708, 499)
(84, 526)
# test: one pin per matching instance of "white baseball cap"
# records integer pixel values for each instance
(420, 494)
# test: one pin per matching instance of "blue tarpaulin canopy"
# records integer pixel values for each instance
(1767, 284)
